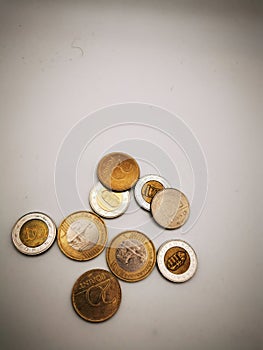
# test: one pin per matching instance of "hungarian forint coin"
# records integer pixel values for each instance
(131, 256)
(170, 208)
(82, 235)
(96, 295)
(107, 203)
(34, 233)
(118, 171)
(177, 261)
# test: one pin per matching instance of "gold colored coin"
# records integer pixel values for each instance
(33, 233)
(82, 235)
(170, 208)
(96, 295)
(131, 256)
(118, 171)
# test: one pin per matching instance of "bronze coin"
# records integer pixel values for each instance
(170, 208)
(131, 256)
(82, 235)
(96, 295)
(118, 171)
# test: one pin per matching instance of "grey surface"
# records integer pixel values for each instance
(201, 60)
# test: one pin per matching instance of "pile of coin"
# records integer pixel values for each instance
(131, 255)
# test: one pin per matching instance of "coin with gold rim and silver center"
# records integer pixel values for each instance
(107, 203)
(34, 233)
(177, 261)
(131, 256)
(82, 235)
(147, 187)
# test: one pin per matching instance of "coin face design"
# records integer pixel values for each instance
(34, 233)
(118, 171)
(96, 295)
(177, 261)
(107, 203)
(131, 256)
(147, 187)
(82, 235)
(170, 208)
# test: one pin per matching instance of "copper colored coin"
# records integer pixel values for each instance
(82, 235)
(118, 171)
(131, 256)
(96, 295)
(170, 208)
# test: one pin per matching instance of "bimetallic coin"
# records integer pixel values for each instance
(107, 203)
(131, 256)
(147, 187)
(177, 261)
(34, 233)
(96, 295)
(170, 208)
(118, 171)
(82, 235)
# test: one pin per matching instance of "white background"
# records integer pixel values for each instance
(202, 60)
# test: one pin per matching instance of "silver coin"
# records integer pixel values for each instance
(107, 203)
(34, 233)
(146, 188)
(177, 261)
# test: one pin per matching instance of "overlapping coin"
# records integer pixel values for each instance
(96, 295)
(177, 261)
(170, 208)
(107, 203)
(82, 235)
(131, 256)
(118, 171)
(34, 233)
(147, 187)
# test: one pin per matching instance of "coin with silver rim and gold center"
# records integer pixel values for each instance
(177, 261)
(147, 187)
(107, 203)
(131, 256)
(34, 233)
(82, 235)
(170, 208)
(96, 295)
(118, 171)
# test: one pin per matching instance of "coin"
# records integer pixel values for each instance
(96, 295)
(118, 171)
(176, 261)
(82, 235)
(34, 233)
(107, 203)
(147, 187)
(170, 208)
(131, 256)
